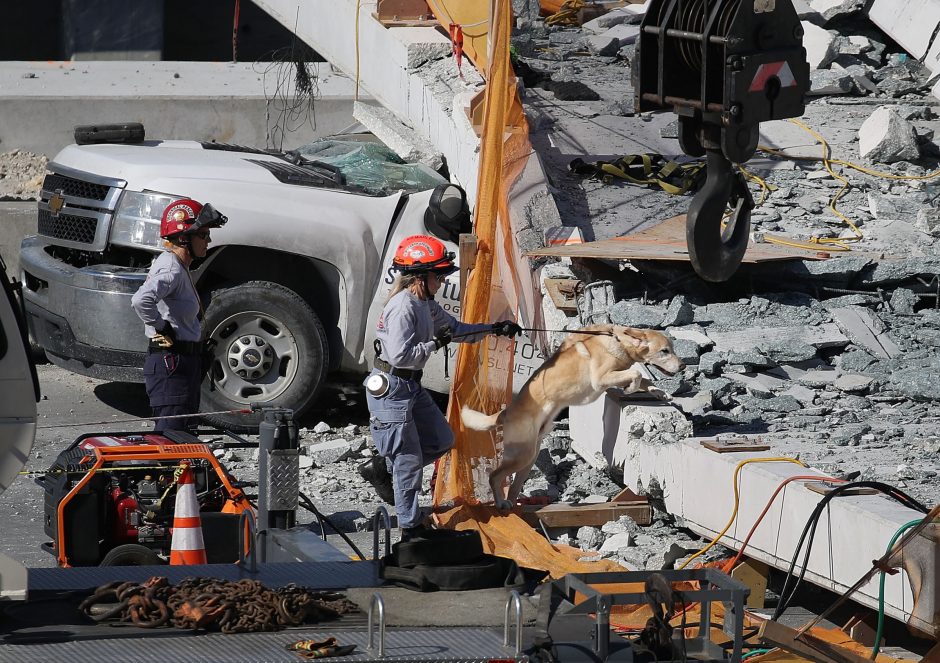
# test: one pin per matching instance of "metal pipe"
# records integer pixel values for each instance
(681, 101)
(685, 34)
(387, 522)
(377, 604)
(514, 601)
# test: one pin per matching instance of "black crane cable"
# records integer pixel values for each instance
(308, 504)
(813, 521)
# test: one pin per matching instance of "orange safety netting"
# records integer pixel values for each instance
(499, 286)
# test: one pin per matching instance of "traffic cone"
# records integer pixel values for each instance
(187, 546)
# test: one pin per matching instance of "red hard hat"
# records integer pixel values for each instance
(423, 253)
(179, 217)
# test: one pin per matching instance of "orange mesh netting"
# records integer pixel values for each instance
(500, 286)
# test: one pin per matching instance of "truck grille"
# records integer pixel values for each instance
(75, 208)
(68, 227)
(70, 186)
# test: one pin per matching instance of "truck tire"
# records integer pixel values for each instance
(270, 349)
(131, 554)
(126, 133)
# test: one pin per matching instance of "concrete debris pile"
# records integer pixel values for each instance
(21, 175)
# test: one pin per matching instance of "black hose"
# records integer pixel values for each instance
(311, 507)
(813, 521)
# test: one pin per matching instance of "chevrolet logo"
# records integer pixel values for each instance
(56, 203)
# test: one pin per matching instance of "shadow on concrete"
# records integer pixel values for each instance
(128, 397)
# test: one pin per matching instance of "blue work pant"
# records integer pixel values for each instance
(410, 431)
(173, 383)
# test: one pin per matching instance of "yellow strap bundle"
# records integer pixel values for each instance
(647, 169)
(567, 15)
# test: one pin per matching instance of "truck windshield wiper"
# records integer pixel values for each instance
(333, 174)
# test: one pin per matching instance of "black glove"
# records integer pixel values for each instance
(443, 336)
(506, 328)
(166, 337)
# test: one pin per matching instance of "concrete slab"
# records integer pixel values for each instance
(220, 101)
(821, 336)
(851, 532)
(912, 24)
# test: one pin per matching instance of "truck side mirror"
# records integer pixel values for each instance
(448, 214)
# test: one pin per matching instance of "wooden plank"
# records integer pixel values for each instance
(403, 10)
(666, 241)
(563, 514)
(807, 645)
(564, 293)
(732, 444)
(826, 487)
(627, 495)
(820, 336)
(753, 573)
(467, 250)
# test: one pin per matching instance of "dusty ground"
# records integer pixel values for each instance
(21, 175)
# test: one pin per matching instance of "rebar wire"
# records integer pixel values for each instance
(290, 79)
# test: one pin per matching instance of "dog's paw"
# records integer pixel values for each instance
(503, 506)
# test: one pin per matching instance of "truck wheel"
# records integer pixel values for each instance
(271, 349)
(131, 554)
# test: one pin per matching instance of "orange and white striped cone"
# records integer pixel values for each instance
(187, 546)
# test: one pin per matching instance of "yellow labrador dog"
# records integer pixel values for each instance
(590, 361)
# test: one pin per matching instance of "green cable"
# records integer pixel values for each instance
(881, 590)
(756, 652)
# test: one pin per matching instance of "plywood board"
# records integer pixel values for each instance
(813, 648)
(666, 241)
(734, 445)
(563, 514)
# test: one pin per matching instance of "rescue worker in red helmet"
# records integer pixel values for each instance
(407, 427)
(171, 310)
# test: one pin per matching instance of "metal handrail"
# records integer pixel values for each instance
(515, 600)
(387, 522)
(377, 602)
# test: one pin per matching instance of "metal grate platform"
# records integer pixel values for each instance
(315, 575)
(443, 645)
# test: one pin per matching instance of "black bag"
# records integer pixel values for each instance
(453, 561)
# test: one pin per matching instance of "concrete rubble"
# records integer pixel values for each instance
(813, 356)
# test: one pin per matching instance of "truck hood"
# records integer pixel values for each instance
(139, 165)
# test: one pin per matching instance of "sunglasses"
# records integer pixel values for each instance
(204, 234)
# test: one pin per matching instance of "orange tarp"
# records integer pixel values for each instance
(495, 290)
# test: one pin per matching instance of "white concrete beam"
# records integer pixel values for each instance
(912, 24)
(408, 70)
(696, 484)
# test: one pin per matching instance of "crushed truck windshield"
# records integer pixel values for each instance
(372, 166)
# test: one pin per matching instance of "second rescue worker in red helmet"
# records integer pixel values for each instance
(407, 427)
(170, 308)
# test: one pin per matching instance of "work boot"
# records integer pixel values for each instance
(375, 471)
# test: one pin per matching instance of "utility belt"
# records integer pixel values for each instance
(178, 347)
(403, 373)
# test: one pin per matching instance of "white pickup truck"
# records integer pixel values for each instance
(292, 283)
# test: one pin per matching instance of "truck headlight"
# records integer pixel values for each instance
(137, 220)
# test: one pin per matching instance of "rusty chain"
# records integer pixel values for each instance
(240, 606)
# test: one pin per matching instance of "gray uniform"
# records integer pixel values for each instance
(408, 428)
(172, 376)
(168, 295)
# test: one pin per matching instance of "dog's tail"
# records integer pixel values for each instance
(478, 420)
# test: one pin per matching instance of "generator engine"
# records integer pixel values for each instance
(89, 511)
